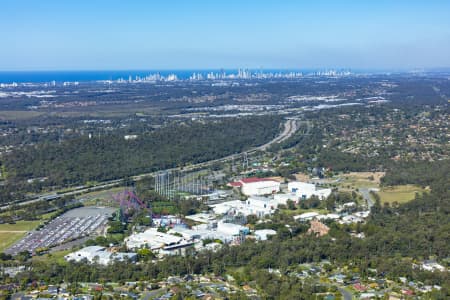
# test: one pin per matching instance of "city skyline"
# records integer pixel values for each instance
(154, 35)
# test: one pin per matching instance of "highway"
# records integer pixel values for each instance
(290, 127)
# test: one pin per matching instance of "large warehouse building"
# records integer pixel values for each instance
(305, 190)
(257, 186)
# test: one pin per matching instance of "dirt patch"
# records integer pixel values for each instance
(371, 176)
(302, 177)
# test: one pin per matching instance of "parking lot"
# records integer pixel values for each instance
(72, 225)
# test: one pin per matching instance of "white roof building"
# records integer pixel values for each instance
(226, 232)
(201, 217)
(328, 217)
(230, 229)
(432, 266)
(283, 198)
(263, 234)
(306, 216)
(152, 239)
(260, 206)
(254, 205)
(305, 190)
(100, 255)
(351, 219)
(362, 214)
(257, 186)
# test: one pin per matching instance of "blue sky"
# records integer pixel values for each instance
(175, 34)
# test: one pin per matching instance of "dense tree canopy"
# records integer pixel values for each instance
(76, 161)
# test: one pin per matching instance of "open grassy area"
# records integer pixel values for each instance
(9, 238)
(356, 180)
(20, 226)
(100, 198)
(400, 193)
(11, 233)
(57, 256)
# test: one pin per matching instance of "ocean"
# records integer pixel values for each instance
(83, 76)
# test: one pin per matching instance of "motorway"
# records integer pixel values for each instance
(290, 127)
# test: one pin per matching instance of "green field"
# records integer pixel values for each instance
(57, 257)
(20, 226)
(9, 238)
(11, 233)
(356, 180)
(101, 198)
(400, 193)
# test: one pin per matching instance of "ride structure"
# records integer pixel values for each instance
(129, 202)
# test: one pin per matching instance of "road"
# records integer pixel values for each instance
(290, 127)
(153, 294)
(82, 190)
(345, 294)
(366, 195)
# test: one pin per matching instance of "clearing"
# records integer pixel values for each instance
(399, 193)
(356, 180)
(100, 198)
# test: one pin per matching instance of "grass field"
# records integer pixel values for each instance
(9, 238)
(356, 180)
(20, 226)
(400, 193)
(57, 256)
(11, 233)
(100, 198)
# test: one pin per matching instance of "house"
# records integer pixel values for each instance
(256, 186)
(432, 265)
(359, 287)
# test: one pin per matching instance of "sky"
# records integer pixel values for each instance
(196, 34)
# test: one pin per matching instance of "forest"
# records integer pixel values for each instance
(79, 160)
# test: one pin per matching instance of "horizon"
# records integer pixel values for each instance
(46, 76)
(112, 35)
